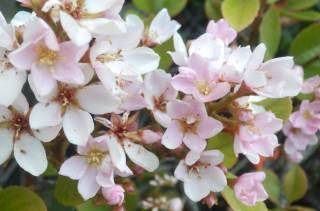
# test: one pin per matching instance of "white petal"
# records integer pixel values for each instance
(140, 156)
(6, 141)
(5, 114)
(117, 154)
(96, 6)
(103, 26)
(196, 188)
(75, 32)
(77, 126)
(255, 79)
(87, 71)
(30, 154)
(97, 100)
(11, 83)
(192, 157)
(74, 167)
(215, 178)
(45, 115)
(88, 186)
(141, 60)
(21, 104)
(257, 57)
(47, 134)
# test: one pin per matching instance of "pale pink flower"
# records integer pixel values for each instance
(256, 137)
(92, 166)
(161, 29)
(70, 106)
(16, 136)
(293, 153)
(249, 188)
(190, 125)
(200, 174)
(124, 138)
(87, 19)
(276, 78)
(200, 80)
(308, 117)
(114, 195)
(222, 30)
(11, 79)
(48, 60)
(158, 91)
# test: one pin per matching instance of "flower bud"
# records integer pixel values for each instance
(114, 195)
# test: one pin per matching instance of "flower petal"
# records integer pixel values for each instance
(30, 154)
(88, 186)
(74, 167)
(172, 138)
(140, 156)
(97, 100)
(45, 115)
(42, 79)
(6, 140)
(77, 125)
(47, 134)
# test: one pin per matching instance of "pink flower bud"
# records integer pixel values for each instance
(114, 195)
(249, 189)
(211, 200)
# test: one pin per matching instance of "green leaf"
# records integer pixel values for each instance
(165, 58)
(66, 192)
(303, 96)
(282, 107)
(240, 13)
(154, 6)
(224, 143)
(235, 204)
(231, 176)
(306, 15)
(132, 201)
(51, 171)
(270, 32)
(306, 46)
(300, 4)
(212, 9)
(89, 206)
(312, 69)
(300, 208)
(20, 199)
(295, 183)
(272, 186)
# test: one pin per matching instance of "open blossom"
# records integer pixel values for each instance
(222, 30)
(83, 20)
(161, 29)
(124, 138)
(190, 125)
(249, 188)
(48, 60)
(17, 136)
(201, 80)
(92, 166)
(205, 46)
(69, 106)
(158, 91)
(275, 78)
(308, 117)
(256, 137)
(201, 175)
(114, 195)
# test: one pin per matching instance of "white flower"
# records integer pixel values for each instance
(200, 174)
(16, 136)
(70, 106)
(161, 29)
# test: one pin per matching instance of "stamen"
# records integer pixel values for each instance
(46, 56)
(95, 157)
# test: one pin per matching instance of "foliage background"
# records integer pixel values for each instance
(287, 27)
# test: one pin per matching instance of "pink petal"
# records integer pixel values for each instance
(209, 127)
(87, 186)
(172, 138)
(74, 167)
(23, 57)
(42, 79)
(194, 142)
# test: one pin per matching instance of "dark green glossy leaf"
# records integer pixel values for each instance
(153, 6)
(165, 58)
(213, 9)
(300, 4)
(272, 186)
(282, 107)
(66, 192)
(306, 15)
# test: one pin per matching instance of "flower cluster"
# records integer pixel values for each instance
(303, 124)
(94, 75)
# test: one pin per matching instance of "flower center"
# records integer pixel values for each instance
(5, 63)
(203, 87)
(66, 96)
(20, 123)
(46, 56)
(295, 130)
(95, 157)
(160, 103)
(189, 124)
(109, 57)
(307, 114)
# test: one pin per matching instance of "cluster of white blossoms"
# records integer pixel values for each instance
(93, 73)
